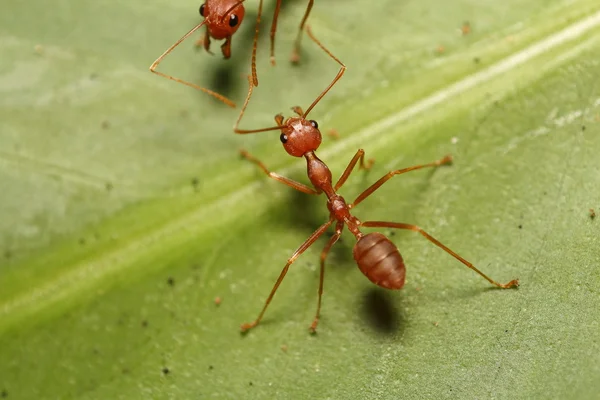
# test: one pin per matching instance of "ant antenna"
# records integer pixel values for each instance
(314, 103)
(334, 81)
(237, 123)
(170, 49)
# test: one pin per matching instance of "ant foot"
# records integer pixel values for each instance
(273, 61)
(295, 57)
(447, 160)
(512, 284)
(200, 42)
(247, 326)
(313, 327)
(368, 164)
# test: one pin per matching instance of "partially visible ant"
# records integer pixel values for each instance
(376, 256)
(222, 19)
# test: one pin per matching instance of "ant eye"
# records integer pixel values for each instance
(202, 10)
(314, 124)
(233, 20)
(283, 138)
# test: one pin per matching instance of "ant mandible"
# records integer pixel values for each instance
(376, 256)
(222, 19)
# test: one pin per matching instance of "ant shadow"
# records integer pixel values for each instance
(380, 312)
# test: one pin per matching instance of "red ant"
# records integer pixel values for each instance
(222, 19)
(376, 256)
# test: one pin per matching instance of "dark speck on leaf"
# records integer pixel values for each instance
(144, 324)
(583, 127)
(195, 183)
(250, 383)
(108, 186)
(4, 394)
(476, 60)
(165, 371)
(171, 281)
(520, 226)
(82, 241)
(210, 367)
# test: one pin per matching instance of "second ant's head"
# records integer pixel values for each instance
(223, 17)
(300, 136)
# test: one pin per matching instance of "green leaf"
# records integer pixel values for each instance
(126, 210)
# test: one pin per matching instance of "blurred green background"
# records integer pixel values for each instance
(126, 210)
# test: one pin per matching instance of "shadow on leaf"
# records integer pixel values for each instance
(379, 310)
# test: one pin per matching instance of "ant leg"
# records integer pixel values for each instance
(163, 55)
(359, 156)
(316, 234)
(415, 228)
(338, 232)
(236, 128)
(286, 181)
(337, 77)
(204, 41)
(255, 44)
(443, 161)
(295, 58)
(274, 30)
(226, 48)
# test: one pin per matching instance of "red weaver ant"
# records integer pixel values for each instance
(222, 19)
(376, 256)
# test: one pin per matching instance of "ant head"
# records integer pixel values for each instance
(300, 136)
(223, 17)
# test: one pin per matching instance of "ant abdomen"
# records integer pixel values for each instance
(380, 261)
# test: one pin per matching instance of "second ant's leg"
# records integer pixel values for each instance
(338, 232)
(255, 44)
(443, 161)
(296, 52)
(415, 228)
(359, 156)
(274, 30)
(204, 41)
(316, 234)
(226, 48)
(286, 181)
